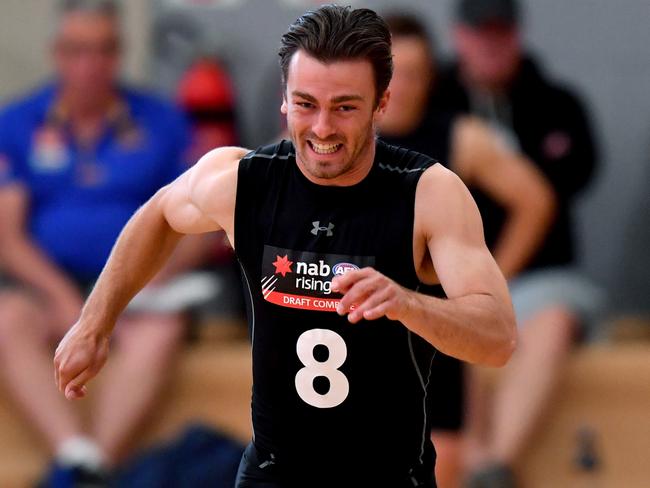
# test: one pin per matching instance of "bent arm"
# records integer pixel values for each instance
(476, 323)
(514, 183)
(142, 248)
(198, 201)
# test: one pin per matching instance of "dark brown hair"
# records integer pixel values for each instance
(336, 33)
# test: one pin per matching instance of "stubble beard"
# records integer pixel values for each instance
(323, 169)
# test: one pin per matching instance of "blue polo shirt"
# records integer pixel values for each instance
(82, 196)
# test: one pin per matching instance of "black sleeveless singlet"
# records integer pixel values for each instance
(344, 403)
(433, 137)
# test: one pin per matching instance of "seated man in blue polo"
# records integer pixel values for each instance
(77, 159)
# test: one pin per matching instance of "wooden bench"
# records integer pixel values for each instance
(605, 388)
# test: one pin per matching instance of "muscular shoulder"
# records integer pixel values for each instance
(438, 184)
(214, 172)
(220, 159)
(443, 202)
(203, 198)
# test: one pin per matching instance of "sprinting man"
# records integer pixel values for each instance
(334, 231)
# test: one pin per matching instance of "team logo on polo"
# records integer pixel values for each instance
(302, 279)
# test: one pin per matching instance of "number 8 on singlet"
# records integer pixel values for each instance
(338, 351)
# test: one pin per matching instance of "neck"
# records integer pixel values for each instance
(481, 86)
(488, 87)
(85, 108)
(86, 115)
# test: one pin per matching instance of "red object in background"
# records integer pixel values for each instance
(205, 92)
(205, 85)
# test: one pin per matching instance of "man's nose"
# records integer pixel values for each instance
(323, 126)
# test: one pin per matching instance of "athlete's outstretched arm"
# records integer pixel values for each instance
(476, 323)
(200, 200)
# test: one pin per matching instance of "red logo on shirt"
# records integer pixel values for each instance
(282, 265)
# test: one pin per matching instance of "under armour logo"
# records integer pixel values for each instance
(317, 228)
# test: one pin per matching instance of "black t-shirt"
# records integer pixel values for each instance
(338, 401)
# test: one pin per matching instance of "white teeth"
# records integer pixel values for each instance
(324, 148)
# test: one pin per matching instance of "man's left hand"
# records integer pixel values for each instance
(368, 294)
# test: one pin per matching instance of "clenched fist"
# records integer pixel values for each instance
(368, 294)
(79, 357)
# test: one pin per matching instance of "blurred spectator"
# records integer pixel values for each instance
(468, 147)
(77, 158)
(205, 92)
(496, 79)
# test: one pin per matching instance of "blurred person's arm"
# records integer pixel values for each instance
(24, 261)
(201, 200)
(484, 162)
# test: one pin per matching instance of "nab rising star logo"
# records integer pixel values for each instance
(318, 228)
(303, 279)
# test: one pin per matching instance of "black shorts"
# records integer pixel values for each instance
(259, 471)
(256, 472)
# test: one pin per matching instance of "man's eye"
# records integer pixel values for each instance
(305, 104)
(346, 108)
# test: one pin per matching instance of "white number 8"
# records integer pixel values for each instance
(338, 351)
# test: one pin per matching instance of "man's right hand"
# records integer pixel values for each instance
(196, 202)
(79, 357)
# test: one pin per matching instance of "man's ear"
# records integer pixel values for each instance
(284, 108)
(383, 103)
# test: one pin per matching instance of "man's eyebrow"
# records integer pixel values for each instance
(338, 99)
(304, 95)
(347, 98)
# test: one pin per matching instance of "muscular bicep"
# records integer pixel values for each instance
(203, 198)
(453, 231)
(180, 211)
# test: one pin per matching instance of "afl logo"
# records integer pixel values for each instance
(342, 268)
